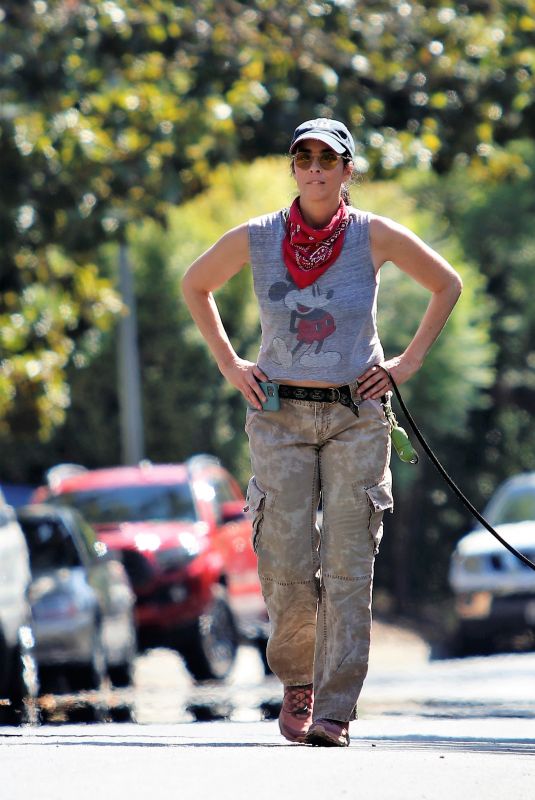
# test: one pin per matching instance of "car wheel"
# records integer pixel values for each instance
(465, 645)
(89, 676)
(121, 675)
(52, 680)
(210, 649)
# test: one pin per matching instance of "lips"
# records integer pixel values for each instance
(302, 309)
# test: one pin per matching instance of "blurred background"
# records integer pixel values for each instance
(132, 134)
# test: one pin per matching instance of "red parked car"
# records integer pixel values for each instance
(185, 542)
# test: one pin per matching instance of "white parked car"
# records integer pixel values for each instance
(494, 591)
(18, 673)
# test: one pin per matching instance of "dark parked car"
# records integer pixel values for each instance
(18, 674)
(494, 591)
(82, 602)
(186, 544)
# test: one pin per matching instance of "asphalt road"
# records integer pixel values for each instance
(427, 729)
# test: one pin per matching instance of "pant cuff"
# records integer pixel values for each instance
(296, 681)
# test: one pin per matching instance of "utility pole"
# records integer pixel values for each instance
(132, 445)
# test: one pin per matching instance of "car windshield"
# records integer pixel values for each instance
(149, 502)
(49, 544)
(517, 506)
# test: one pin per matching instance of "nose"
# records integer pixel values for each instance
(314, 160)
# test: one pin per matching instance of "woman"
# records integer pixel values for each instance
(316, 274)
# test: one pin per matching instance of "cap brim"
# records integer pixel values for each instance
(320, 137)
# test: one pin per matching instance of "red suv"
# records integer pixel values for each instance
(185, 542)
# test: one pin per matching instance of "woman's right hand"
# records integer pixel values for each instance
(244, 376)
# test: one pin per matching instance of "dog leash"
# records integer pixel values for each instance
(451, 483)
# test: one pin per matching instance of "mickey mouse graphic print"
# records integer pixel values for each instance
(326, 331)
(309, 320)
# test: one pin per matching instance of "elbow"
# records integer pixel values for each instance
(454, 287)
(193, 294)
(451, 290)
(187, 286)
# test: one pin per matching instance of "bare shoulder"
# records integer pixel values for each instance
(237, 239)
(386, 238)
(391, 241)
(220, 262)
(384, 231)
(232, 247)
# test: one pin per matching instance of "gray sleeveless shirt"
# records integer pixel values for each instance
(327, 331)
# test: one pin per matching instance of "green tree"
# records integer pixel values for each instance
(110, 110)
(189, 408)
(103, 121)
(493, 219)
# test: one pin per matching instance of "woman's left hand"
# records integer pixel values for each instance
(375, 382)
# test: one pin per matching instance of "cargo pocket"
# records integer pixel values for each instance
(379, 500)
(255, 504)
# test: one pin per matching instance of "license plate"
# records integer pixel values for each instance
(530, 612)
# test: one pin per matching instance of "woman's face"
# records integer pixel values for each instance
(317, 181)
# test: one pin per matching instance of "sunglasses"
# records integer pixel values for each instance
(327, 160)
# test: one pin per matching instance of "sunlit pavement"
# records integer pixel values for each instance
(445, 729)
(477, 688)
(390, 759)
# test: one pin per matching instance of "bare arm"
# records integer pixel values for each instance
(207, 273)
(393, 242)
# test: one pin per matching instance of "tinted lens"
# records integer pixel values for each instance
(327, 160)
(302, 160)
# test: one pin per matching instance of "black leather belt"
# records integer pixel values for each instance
(336, 394)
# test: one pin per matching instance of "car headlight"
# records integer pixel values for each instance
(471, 564)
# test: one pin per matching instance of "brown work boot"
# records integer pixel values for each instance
(328, 733)
(296, 712)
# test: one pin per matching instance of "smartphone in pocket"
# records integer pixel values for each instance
(271, 390)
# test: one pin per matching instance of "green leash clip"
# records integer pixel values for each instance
(400, 438)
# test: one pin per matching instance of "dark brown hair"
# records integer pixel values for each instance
(344, 191)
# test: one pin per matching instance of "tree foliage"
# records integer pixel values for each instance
(188, 407)
(111, 109)
(494, 222)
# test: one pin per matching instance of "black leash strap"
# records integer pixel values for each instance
(450, 481)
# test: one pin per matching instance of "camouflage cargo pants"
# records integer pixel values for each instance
(317, 586)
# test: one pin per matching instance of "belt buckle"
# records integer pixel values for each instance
(337, 398)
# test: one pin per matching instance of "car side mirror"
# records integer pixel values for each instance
(232, 510)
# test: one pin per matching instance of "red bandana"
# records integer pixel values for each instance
(309, 252)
